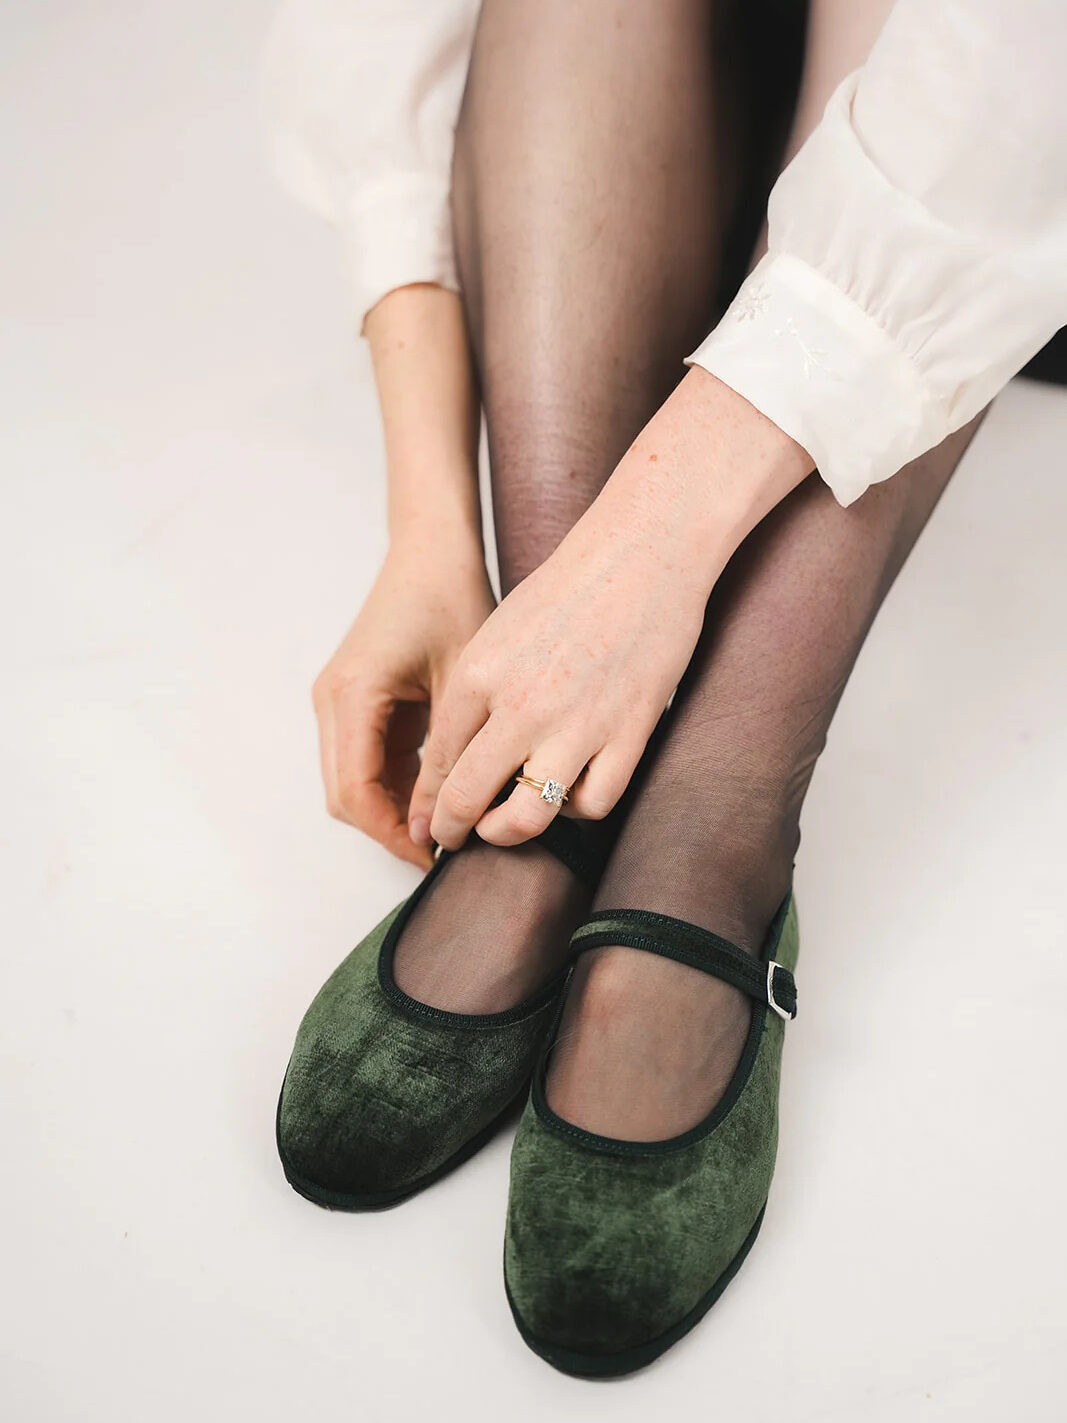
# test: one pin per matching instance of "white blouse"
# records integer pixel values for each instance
(917, 244)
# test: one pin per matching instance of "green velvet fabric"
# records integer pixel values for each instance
(378, 1096)
(610, 1245)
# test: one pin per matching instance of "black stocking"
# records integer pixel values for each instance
(585, 203)
(588, 203)
(647, 1045)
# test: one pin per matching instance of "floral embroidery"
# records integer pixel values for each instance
(814, 356)
(751, 302)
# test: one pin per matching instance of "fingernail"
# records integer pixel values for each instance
(419, 830)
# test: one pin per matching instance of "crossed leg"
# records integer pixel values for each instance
(580, 121)
(590, 194)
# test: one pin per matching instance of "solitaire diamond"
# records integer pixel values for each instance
(554, 792)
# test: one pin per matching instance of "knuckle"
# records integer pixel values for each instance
(435, 754)
(328, 690)
(596, 804)
(420, 805)
(435, 760)
(350, 799)
(471, 676)
(450, 836)
(459, 802)
(526, 822)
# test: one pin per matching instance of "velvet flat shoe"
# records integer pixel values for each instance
(383, 1094)
(615, 1249)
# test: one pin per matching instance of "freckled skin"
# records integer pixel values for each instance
(590, 645)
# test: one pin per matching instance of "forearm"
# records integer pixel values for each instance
(700, 476)
(430, 415)
(432, 592)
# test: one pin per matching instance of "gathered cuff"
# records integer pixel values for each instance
(396, 233)
(809, 358)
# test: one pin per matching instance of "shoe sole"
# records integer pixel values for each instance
(383, 1200)
(639, 1356)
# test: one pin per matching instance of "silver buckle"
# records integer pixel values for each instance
(772, 1002)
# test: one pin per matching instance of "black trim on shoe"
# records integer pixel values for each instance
(443, 1018)
(562, 838)
(638, 1356)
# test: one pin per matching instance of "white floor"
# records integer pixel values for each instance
(192, 508)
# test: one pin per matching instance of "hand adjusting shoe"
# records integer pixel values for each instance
(383, 1094)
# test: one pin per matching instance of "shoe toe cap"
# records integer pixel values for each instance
(588, 1281)
(611, 1255)
(345, 1140)
(579, 1315)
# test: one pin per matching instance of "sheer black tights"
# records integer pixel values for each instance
(589, 199)
(647, 1045)
(585, 208)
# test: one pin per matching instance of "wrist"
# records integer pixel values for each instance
(741, 464)
(438, 492)
(440, 536)
(702, 474)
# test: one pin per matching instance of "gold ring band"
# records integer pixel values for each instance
(554, 792)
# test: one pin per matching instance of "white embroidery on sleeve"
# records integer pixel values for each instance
(751, 302)
(814, 356)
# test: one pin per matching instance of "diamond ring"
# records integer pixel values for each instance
(554, 792)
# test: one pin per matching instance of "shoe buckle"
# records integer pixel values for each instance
(772, 1002)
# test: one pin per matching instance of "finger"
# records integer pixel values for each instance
(458, 717)
(379, 816)
(369, 807)
(360, 720)
(324, 715)
(486, 764)
(404, 737)
(359, 728)
(600, 788)
(525, 814)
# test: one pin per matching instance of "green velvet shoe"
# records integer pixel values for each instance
(383, 1094)
(616, 1249)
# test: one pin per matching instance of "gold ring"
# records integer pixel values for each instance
(554, 792)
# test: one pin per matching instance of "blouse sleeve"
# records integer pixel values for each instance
(361, 99)
(917, 244)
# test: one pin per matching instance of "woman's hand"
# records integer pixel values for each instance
(569, 675)
(373, 697)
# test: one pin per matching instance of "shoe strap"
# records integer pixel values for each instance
(583, 854)
(763, 979)
(564, 838)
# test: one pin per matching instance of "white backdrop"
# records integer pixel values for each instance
(192, 508)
